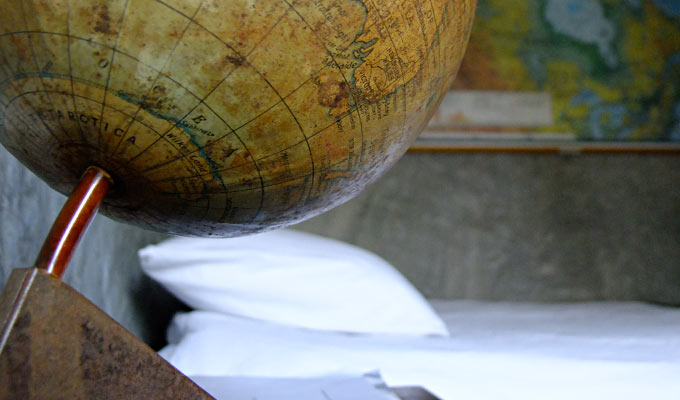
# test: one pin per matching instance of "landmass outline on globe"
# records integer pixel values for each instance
(223, 117)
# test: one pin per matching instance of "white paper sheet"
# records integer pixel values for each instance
(324, 388)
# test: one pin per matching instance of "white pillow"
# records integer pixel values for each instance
(292, 278)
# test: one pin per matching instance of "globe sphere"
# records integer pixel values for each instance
(223, 117)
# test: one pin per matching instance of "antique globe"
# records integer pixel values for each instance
(223, 117)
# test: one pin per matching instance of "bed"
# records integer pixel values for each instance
(288, 304)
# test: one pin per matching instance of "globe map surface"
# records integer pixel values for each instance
(223, 117)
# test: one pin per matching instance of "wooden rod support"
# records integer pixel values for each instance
(73, 220)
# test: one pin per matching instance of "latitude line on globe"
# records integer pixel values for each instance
(328, 52)
(123, 53)
(99, 102)
(94, 100)
(319, 131)
(337, 65)
(429, 51)
(191, 176)
(37, 67)
(394, 46)
(92, 83)
(270, 184)
(31, 127)
(42, 83)
(399, 62)
(12, 83)
(110, 69)
(280, 62)
(132, 119)
(40, 149)
(153, 84)
(160, 73)
(70, 77)
(201, 101)
(263, 78)
(437, 37)
(22, 120)
(403, 126)
(70, 69)
(245, 58)
(82, 97)
(258, 116)
(232, 49)
(386, 9)
(6, 106)
(347, 115)
(37, 148)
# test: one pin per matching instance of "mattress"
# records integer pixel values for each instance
(495, 350)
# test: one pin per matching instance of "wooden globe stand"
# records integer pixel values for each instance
(54, 343)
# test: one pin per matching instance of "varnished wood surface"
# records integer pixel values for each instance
(73, 220)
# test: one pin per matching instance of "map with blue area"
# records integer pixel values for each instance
(611, 68)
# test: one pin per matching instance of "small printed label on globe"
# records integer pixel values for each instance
(223, 117)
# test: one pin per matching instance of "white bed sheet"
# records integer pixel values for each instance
(496, 350)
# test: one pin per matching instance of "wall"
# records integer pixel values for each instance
(524, 227)
(482, 226)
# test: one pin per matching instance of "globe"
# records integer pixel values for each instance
(223, 117)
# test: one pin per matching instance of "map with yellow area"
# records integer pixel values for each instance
(568, 70)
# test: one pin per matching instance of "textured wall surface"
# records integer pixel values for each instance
(483, 226)
(524, 227)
